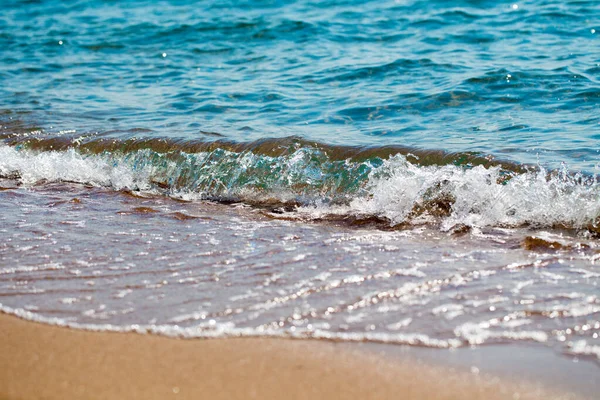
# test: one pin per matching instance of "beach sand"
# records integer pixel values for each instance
(46, 362)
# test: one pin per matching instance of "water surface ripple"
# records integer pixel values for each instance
(520, 80)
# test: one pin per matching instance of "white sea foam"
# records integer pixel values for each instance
(581, 347)
(70, 166)
(479, 333)
(481, 196)
(211, 329)
(476, 196)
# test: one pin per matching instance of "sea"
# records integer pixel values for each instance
(418, 173)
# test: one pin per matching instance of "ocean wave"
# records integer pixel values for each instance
(316, 182)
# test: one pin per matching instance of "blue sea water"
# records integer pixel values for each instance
(516, 80)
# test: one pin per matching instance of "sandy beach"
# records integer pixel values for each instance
(303, 199)
(41, 361)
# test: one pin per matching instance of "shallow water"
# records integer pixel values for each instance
(407, 172)
(101, 260)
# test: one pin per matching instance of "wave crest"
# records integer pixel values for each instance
(394, 191)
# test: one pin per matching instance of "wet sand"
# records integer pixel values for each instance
(42, 361)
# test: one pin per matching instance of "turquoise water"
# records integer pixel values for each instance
(515, 80)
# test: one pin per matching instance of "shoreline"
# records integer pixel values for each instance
(516, 362)
(44, 361)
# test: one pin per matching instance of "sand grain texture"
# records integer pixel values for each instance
(46, 362)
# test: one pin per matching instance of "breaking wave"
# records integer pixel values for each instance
(390, 186)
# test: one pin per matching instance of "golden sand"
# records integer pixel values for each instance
(39, 361)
